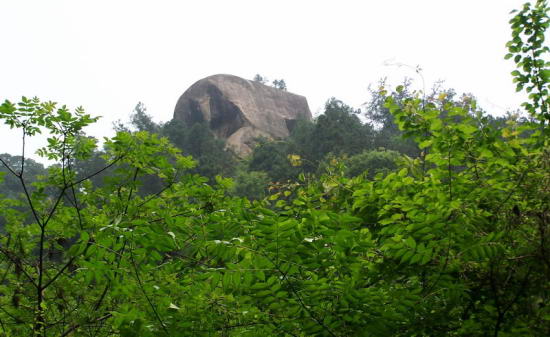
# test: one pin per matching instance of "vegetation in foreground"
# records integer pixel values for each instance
(453, 242)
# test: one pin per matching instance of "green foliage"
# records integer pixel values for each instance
(142, 121)
(388, 135)
(251, 184)
(10, 187)
(205, 148)
(530, 54)
(453, 242)
(271, 157)
(337, 131)
(197, 141)
(372, 163)
(66, 262)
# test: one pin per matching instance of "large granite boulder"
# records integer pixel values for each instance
(241, 111)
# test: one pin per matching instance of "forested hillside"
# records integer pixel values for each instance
(419, 215)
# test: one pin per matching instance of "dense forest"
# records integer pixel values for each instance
(418, 215)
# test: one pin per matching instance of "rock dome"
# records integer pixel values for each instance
(241, 111)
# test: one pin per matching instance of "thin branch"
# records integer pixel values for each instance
(302, 304)
(76, 326)
(140, 284)
(17, 262)
(76, 202)
(156, 195)
(23, 154)
(520, 290)
(8, 167)
(56, 276)
(54, 208)
(29, 200)
(97, 172)
(15, 319)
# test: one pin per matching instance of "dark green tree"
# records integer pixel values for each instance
(337, 131)
(196, 140)
(260, 79)
(142, 121)
(388, 135)
(250, 184)
(11, 186)
(199, 142)
(372, 162)
(271, 157)
(279, 84)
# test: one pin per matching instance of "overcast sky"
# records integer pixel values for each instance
(108, 55)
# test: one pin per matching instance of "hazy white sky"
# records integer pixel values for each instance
(108, 55)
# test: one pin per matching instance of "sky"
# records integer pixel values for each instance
(107, 56)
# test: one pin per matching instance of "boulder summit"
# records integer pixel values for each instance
(241, 111)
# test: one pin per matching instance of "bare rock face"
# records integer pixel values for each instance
(241, 111)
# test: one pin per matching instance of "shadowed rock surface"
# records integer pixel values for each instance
(240, 111)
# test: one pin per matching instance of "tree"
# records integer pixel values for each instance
(338, 131)
(250, 184)
(196, 140)
(372, 163)
(260, 79)
(143, 121)
(271, 157)
(279, 84)
(10, 187)
(199, 142)
(70, 267)
(529, 53)
(453, 243)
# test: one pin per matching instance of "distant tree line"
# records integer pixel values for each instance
(366, 141)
